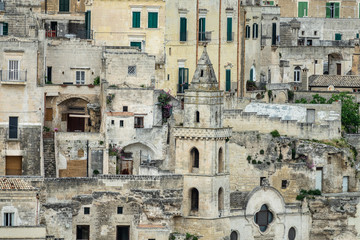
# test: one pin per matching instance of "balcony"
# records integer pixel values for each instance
(204, 36)
(13, 76)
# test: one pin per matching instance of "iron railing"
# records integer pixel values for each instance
(204, 36)
(13, 76)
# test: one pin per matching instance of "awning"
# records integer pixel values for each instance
(79, 116)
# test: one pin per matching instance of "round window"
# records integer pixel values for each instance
(292, 234)
(233, 235)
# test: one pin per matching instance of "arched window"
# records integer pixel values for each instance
(221, 199)
(194, 194)
(252, 74)
(255, 30)
(263, 218)
(234, 235)
(216, 117)
(292, 234)
(197, 116)
(247, 32)
(220, 161)
(297, 71)
(194, 154)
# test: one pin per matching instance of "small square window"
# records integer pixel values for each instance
(125, 108)
(112, 122)
(316, 61)
(132, 70)
(303, 33)
(139, 122)
(315, 33)
(120, 210)
(86, 210)
(121, 123)
(284, 184)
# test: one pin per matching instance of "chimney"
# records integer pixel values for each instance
(305, 79)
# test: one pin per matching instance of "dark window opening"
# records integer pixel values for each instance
(49, 75)
(194, 199)
(82, 232)
(125, 108)
(194, 157)
(263, 218)
(234, 235)
(261, 180)
(86, 210)
(8, 219)
(121, 123)
(120, 210)
(112, 122)
(284, 184)
(201, 73)
(139, 122)
(13, 127)
(292, 234)
(197, 117)
(123, 233)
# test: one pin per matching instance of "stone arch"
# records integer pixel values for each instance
(64, 98)
(194, 158)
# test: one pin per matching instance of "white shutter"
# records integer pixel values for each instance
(345, 184)
(318, 184)
(13, 70)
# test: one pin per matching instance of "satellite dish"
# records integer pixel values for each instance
(331, 88)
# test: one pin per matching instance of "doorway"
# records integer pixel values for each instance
(13, 165)
(123, 233)
(53, 28)
(338, 68)
(75, 124)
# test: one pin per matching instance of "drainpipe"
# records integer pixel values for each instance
(238, 52)
(219, 53)
(242, 81)
(197, 30)
(87, 158)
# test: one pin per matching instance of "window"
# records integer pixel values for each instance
(183, 29)
(234, 235)
(292, 234)
(228, 80)
(303, 33)
(261, 180)
(273, 38)
(194, 157)
(332, 10)
(13, 127)
(318, 183)
(221, 199)
(136, 44)
(80, 77)
(337, 36)
(136, 19)
(253, 74)
(82, 232)
(197, 116)
(123, 232)
(88, 24)
(14, 70)
(64, 5)
(139, 122)
(284, 184)
(183, 80)
(119, 210)
(315, 33)
(202, 29)
(357, 35)
(132, 70)
(8, 219)
(4, 28)
(49, 75)
(194, 199)
(121, 123)
(220, 161)
(152, 20)
(345, 184)
(112, 122)
(263, 218)
(247, 31)
(255, 30)
(86, 210)
(229, 35)
(297, 71)
(302, 9)
(125, 108)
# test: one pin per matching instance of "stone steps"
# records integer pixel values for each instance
(49, 158)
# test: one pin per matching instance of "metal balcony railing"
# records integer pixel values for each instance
(13, 76)
(204, 36)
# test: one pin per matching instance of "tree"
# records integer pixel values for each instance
(350, 117)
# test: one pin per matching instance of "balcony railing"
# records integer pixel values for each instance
(13, 76)
(182, 87)
(204, 36)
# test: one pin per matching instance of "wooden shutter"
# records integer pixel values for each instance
(5, 28)
(48, 114)
(202, 29)
(136, 20)
(88, 24)
(228, 79)
(183, 29)
(337, 10)
(328, 10)
(229, 29)
(13, 165)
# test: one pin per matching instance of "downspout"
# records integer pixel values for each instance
(87, 158)
(238, 53)
(243, 59)
(219, 53)
(197, 30)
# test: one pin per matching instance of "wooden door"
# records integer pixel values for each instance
(338, 68)
(75, 124)
(13, 165)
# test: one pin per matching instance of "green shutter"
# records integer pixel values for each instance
(5, 28)
(152, 20)
(357, 35)
(328, 6)
(337, 36)
(229, 29)
(64, 5)
(136, 44)
(302, 9)
(273, 40)
(251, 74)
(202, 29)
(183, 29)
(337, 10)
(136, 19)
(228, 79)
(255, 30)
(359, 10)
(88, 24)
(183, 82)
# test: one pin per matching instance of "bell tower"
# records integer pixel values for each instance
(202, 156)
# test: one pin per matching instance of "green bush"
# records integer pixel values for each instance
(97, 80)
(275, 134)
(249, 158)
(261, 151)
(303, 194)
(253, 162)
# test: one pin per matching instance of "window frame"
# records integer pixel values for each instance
(136, 19)
(137, 123)
(229, 28)
(6, 216)
(297, 74)
(153, 20)
(132, 72)
(183, 29)
(306, 8)
(247, 31)
(81, 80)
(263, 226)
(14, 74)
(255, 31)
(17, 128)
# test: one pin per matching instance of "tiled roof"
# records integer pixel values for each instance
(335, 80)
(14, 184)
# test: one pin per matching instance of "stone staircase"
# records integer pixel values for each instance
(49, 157)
